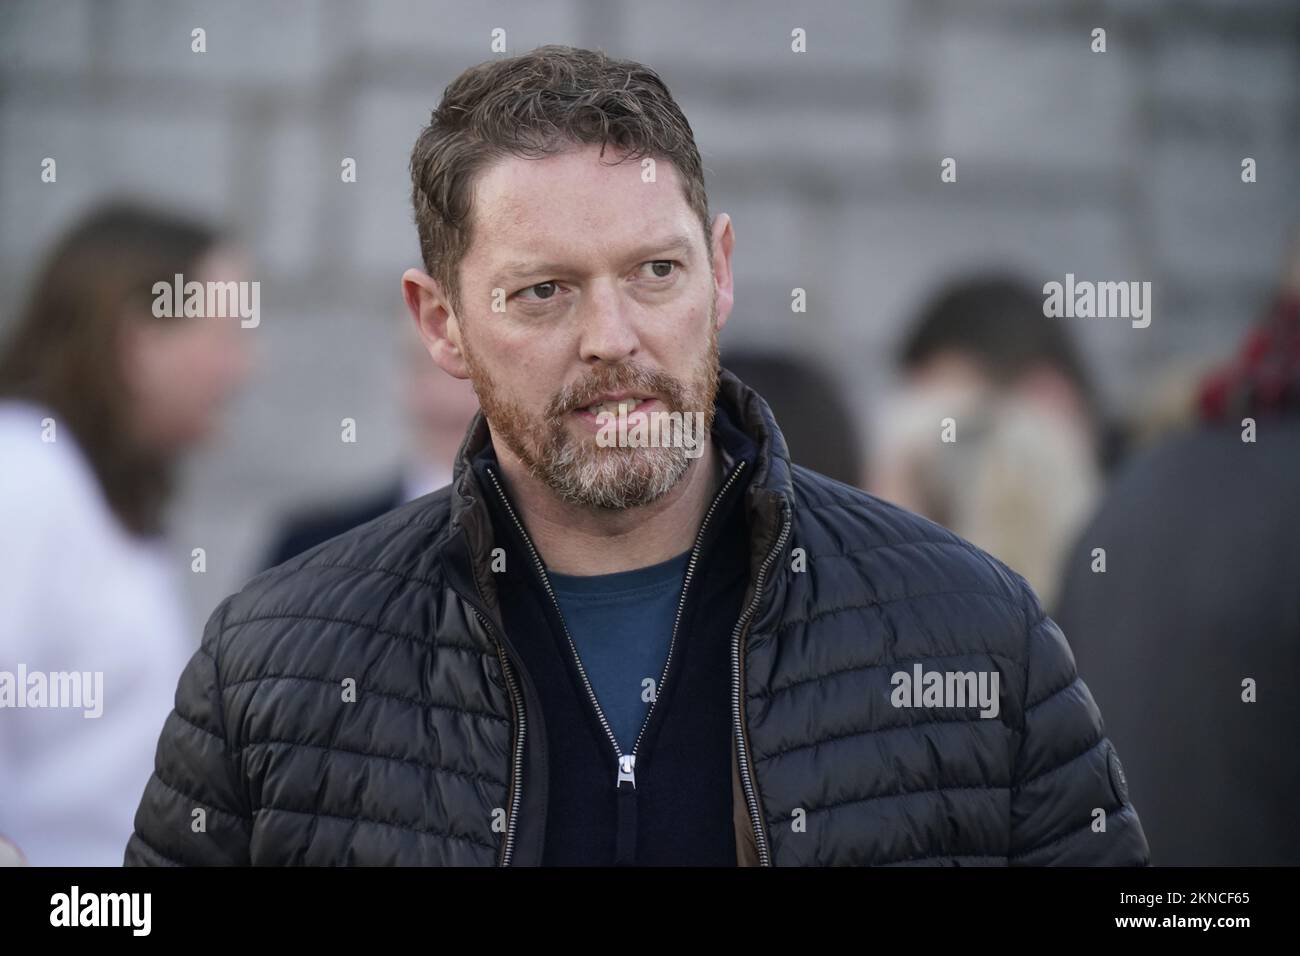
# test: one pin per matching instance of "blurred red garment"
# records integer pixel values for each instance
(1264, 378)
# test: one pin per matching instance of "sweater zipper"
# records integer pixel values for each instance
(737, 715)
(625, 764)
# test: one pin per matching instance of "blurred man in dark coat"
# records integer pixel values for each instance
(1190, 638)
(437, 409)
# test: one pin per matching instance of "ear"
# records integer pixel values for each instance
(723, 239)
(436, 321)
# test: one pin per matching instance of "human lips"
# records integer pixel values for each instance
(625, 403)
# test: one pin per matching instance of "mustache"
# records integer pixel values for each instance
(622, 378)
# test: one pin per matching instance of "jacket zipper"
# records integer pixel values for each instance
(755, 816)
(625, 763)
(516, 778)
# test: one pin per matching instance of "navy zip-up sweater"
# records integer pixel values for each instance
(679, 811)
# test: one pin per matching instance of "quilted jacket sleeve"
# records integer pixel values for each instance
(194, 810)
(1069, 798)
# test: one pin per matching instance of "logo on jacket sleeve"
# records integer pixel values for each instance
(1117, 778)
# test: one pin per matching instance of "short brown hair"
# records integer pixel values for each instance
(532, 106)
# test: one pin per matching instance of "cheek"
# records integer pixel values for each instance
(188, 368)
(691, 322)
(678, 345)
(152, 370)
(528, 368)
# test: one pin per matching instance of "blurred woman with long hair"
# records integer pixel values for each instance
(99, 400)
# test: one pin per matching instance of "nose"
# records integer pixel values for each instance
(608, 326)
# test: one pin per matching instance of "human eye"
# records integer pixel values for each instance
(662, 268)
(542, 291)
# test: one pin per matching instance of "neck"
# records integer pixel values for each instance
(574, 539)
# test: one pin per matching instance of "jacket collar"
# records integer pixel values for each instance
(769, 494)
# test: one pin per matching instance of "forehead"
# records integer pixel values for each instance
(574, 203)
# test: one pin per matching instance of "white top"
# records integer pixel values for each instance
(78, 593)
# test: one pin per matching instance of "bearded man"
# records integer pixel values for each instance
(584, 653)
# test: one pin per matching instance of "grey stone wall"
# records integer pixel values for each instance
(1115, 165)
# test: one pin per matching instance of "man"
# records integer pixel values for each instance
(1027, 469)
(1201, 535)
(436, 409)
(690, 652)
(817, 415)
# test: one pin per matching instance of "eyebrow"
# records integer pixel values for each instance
(519, 268)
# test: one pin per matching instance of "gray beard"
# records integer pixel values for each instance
(610, 478)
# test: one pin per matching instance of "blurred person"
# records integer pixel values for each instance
(99, 399)
(815, 417)
(1200, 594)
(437, 409)
(630, 653)
(1168, 400)
(1025, 465)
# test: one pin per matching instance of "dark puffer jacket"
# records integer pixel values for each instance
(263, 762)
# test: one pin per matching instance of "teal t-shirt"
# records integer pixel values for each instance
(622, 624)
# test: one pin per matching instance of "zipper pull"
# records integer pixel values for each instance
(626, 765)
(625, 841)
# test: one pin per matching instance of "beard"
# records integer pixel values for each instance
(577, 469)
